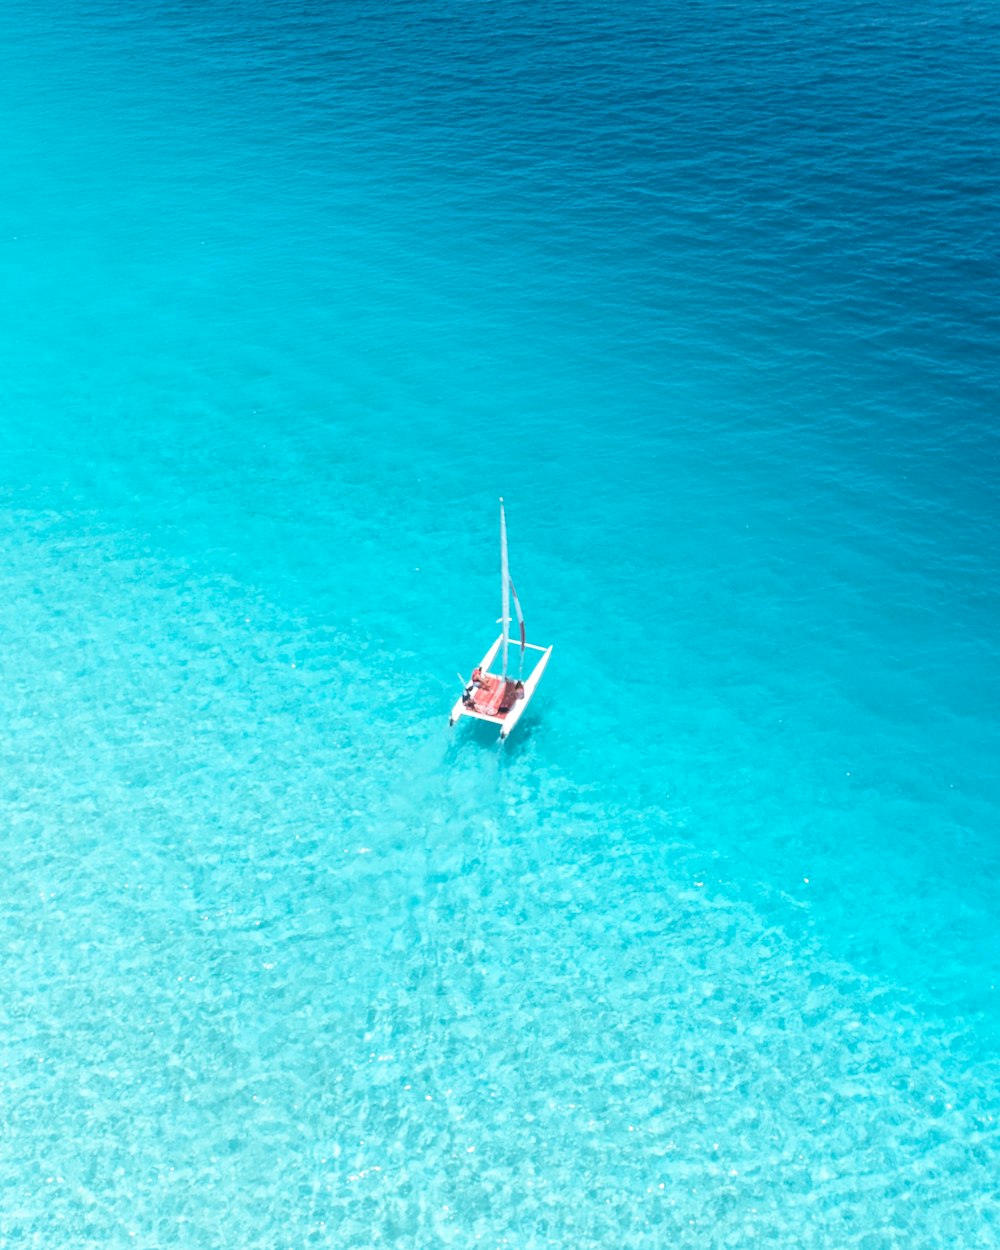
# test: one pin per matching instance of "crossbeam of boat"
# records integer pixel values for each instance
(489, 717)
(531, 646)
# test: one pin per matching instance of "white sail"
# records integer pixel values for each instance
(504, 588)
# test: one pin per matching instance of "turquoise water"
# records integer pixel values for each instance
(707, 953)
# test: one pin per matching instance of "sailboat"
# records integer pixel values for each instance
(501, 698)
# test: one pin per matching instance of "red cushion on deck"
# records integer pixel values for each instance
(493, 694)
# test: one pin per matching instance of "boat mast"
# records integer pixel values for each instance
(504, 588)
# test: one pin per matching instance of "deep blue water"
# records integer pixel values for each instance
(707, 953)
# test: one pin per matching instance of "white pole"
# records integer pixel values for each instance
(504, 587)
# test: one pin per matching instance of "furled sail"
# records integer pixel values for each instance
(519, 614)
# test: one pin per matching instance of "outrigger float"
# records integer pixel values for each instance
(498, 697)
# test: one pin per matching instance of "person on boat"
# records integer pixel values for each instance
(476, 682)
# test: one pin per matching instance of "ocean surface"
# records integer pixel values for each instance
(707, 954)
